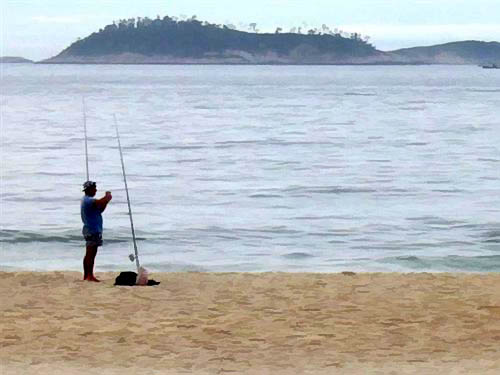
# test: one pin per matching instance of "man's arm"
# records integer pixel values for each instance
(103, 202)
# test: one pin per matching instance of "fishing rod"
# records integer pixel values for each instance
(85, 132)
(128, 199)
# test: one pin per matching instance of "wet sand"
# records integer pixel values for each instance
(262, 323)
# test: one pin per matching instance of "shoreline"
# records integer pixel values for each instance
(235, 57)
(251, 323)
(253, 64)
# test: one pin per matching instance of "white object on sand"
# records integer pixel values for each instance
(142, 276)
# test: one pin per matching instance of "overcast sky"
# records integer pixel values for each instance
(38, 29)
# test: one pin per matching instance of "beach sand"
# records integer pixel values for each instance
(250, 323)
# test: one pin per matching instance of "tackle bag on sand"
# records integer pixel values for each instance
(129, 278)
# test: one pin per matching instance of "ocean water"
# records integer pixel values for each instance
(255, 168)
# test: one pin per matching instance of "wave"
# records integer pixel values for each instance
(265, 196)
(298, 256)
(175, 267)
(450, 263)
(279, 229)
(359, 94)
(323, 217)
(435, 220)
(492, 237)
(412, 108)
(154, 267)
(181, 147)
(269, 142)
(417, 144)
(419, 102)
(484, 90)
(16, 237)
(327, 190)
(170, 175)
(56, 174)
(488, 160)
(183, 161)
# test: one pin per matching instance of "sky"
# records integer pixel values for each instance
(39, 29)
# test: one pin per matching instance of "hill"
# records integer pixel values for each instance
(13, 60)
(466, 52)
(169, 41)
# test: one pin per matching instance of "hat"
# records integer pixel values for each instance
(88, 184)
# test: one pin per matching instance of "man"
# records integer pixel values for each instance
(91, 210)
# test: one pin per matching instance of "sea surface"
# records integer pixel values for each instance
(254, 168)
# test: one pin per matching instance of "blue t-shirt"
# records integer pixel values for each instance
(91, 216)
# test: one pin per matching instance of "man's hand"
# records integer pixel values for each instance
(103, 202)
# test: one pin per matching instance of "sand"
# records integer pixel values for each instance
(262, 323)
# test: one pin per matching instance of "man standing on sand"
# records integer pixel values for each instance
(91, 210)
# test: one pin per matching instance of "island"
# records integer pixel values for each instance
(466, 52)
(14, 60)
(170, 41)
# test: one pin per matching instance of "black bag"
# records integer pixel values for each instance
(129, 278)
(126, 278)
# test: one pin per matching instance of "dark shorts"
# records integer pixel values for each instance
(93, 239)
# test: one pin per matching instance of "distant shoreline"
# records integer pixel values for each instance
(14, 60)
(253, 64)
(242, 58)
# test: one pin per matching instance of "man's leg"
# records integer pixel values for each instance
(85, 268)
(88, 263)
